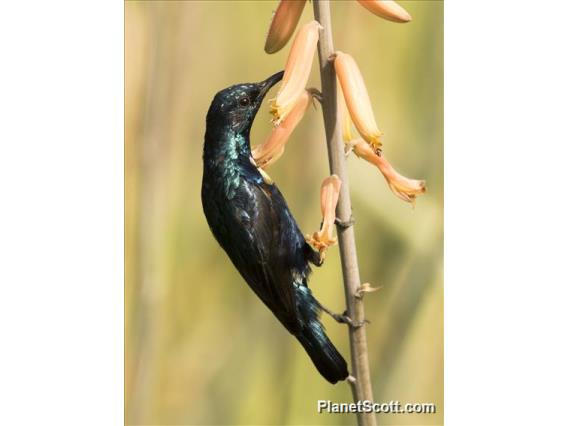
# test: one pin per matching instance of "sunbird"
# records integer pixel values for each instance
(251, 221)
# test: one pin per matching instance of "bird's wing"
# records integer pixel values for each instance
(272, 258)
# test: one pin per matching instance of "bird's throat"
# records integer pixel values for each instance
(227, 161)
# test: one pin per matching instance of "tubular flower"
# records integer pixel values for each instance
(387, 9)
(329, 195)
(357, 99)
(273, 146)
(404, 188)
(283, 24)
(346, 122)
(297, 71)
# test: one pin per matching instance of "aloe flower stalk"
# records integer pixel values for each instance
(284, 22)
(357, 99)
(273, 146)
(296, 72)
(387, 9)
(404, 188)
(329, 195)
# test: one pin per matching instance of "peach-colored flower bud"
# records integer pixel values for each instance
(273, 146)
(387, 9)
(329, 195)
(404, 188)
(296, 72)
(283, 24)
(357, 99)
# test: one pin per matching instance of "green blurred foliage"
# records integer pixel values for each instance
(200, 347)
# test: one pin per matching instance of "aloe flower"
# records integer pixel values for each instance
(357, 99)
(283, 24)
(404, 188)
(296, 72)
(346, 122)
(329, 195)
(273, 147)
(387, 9)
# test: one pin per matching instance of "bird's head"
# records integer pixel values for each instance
(236, 106)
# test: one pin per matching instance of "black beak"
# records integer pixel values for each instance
(267, 84)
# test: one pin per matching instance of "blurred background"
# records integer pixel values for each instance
(200, 347)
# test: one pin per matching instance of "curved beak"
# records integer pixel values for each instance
(267, 84)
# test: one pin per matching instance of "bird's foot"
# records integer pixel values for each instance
(344, 318)
(344, 224)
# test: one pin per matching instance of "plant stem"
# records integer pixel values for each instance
(362, 389)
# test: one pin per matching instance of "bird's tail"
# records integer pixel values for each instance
(324, 355)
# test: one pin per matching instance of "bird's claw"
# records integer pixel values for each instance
(344, 319)
(344, 224)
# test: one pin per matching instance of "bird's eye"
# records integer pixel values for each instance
(244, 101)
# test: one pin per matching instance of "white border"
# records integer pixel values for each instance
(61, 215)
(61, 220)
(505, 215)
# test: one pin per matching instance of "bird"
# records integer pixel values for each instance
(251, 221)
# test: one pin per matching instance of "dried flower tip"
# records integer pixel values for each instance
(404, 188)
(365, 288)
(284, 22)
(297, 71)
(387, 9)
(357, 99)
(273, 146)
(329, 195)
